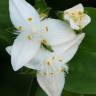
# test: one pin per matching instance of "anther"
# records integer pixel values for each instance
(20, 28)
(46, 28)
(29, 37)
(62, 70)
(30, 19)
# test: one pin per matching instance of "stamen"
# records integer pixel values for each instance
(44, 41)
(62, 70)
(80, 13)
(60, 60)
(51, 73)
(53, 57)
(49, 63)
(72, 14)
(46, 28)
(30, 19)
(20, 28)
(29, 37)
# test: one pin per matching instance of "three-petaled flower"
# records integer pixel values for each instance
(76, 17)
(27, 50)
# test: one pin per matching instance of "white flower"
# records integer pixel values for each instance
(76, 17)
(27, 51)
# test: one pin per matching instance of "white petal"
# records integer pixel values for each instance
(56, 31)
(24, 49)
(8, 49)
(36, 62)
(23, 15)
(69, 49)
(52, 84)
(75, 25)
(85, 21)
(40, 62)
(76, 17)
(76, 8)
(80, 24)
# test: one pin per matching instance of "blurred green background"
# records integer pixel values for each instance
(81, 80)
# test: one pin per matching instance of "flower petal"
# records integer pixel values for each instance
(69, 49)
(51, 84)
(23, 15)
(24, 49)
(36, 62)
(8, 49)
(76, 17)
(78, 7)
(56, 31)
(85, 21)
(80, 24)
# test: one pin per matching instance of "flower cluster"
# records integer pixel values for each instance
(35, 36)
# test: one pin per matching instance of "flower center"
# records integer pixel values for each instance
(46, 45)
(54, 65)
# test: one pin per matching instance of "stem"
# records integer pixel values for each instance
(29, 88)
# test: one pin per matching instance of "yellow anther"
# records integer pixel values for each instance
(30, 19)
(44, 41)
(80, 13)
(46, 28)
(73, 14)
(29, 37)
(51, 73)
(60, 60)
(49, 63)
(20, 28)
(62, 70)
(53, 57)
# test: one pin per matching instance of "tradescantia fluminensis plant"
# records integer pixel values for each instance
(46, 44)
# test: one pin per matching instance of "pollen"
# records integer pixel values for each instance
(49, 63)
(20, 28)
(80, 13)
(62, 70)
(46, 28)
(29, 37)
(30, 19)
(51, 73)
(72, 14)
(53, 57)
(60, 60)
(44, 41)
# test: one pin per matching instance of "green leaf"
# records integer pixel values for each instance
(27, 71)
(42, 8)
(40, 5)
(60, 15)
(40, 92)
(82, 73)
(6, 37)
